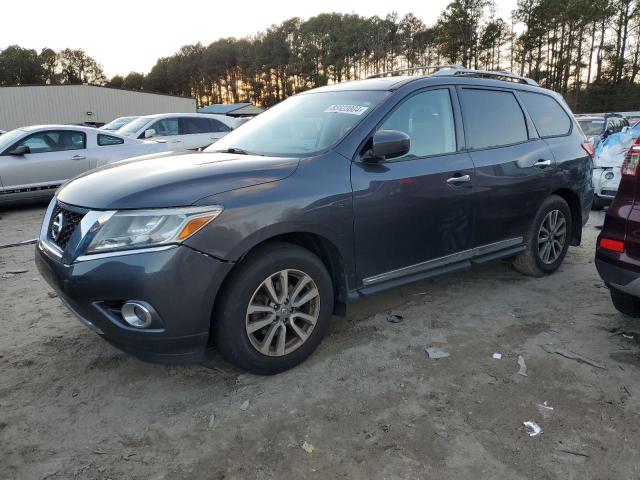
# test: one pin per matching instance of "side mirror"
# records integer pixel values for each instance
(387, 144)
(149, 133)
(21, 150)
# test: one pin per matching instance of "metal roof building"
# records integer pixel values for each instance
(232, 109)
(76, 104)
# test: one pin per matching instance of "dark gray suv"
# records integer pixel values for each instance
(333, 195)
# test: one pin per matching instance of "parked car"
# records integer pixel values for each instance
(599, 127)
(332, 195)
(2, 131)
(118, 123)
(181, 131)
(618, 248)
(609, 156)
(34, 161)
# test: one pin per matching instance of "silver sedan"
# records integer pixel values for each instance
(35, 161)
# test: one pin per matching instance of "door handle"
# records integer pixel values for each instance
(78, 157)
(460, 179)
(175, 141)
(542, 163)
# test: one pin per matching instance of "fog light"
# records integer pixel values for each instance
(137, 314)
(609, 175)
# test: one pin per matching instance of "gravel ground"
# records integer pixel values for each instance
(368, 404)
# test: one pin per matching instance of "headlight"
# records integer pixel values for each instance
(128, 229)
(609, 176)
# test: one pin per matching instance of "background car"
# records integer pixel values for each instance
(609, 156)
(598, 127)
(34, 161)
(618, 247)
(118, 123)
(188, 131)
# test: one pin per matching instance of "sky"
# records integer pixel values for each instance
(125, 36)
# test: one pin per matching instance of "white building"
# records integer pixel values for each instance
(76, 104)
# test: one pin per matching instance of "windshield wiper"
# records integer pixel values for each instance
(238, 151)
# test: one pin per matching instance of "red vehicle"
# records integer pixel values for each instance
(618, 249)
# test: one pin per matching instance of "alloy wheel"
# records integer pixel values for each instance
(282, 312)
(552, 236)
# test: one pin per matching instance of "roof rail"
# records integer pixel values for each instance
(394, 73)
(497, 75)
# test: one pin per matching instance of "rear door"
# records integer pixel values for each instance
(55, 156)
(513, 165)
(414, 212)
(197, 132)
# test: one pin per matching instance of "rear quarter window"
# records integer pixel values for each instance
(493, 118)
(104, 140)
(549, 118)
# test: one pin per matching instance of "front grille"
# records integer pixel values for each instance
(70, 220)
(609, 193)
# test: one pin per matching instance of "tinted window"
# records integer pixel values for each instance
(54, 141)
(548, 116)
(428, 120)
(493, 118)
(193, 125)
(166, 127)
(104, 140)
(218, 126)
(591, 127)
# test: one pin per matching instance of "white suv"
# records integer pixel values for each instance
(188, 131)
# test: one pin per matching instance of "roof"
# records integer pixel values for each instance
(32, 128)
(231, 109)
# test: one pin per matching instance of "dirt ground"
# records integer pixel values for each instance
(369, 403)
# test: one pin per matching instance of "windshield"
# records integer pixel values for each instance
(130, 129)
(591, 127)
(117, 123)
(302, 124)
(9, 138)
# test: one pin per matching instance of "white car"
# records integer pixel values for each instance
(181, 131)
(34, 161)
(118, 123)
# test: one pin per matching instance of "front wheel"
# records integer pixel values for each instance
(274, 310)
(547, 239)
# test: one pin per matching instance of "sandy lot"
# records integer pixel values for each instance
(369, 403)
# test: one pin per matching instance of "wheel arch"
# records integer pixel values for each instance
(573, 201)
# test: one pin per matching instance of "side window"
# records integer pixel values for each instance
(166, 127)
(194, 125)
(428, 120)
(218, 126)
(54, 141)
(548, 116)
(493, 118)
(104, 140)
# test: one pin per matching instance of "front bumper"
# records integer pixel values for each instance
(619, 278)
(606, 188)
(180, 283)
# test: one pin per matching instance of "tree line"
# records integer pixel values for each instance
(588, 50)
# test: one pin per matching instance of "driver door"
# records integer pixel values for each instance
(55, 156)
(413, 213)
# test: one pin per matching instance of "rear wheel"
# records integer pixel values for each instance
(625, 303)
(547, 239)
(274, 310)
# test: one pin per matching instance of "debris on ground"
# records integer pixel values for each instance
(436, 353)
(244, 405)
(16, 272)
(534, 428)
(523, 366)
(497, 356)
(571, 452)
(212, 420)
(572, 356)
(307, 447)
(545, 406)
(52, 294)
(394, 318)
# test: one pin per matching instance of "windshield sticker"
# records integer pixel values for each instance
(350, 109)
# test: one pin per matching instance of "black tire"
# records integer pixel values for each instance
(625, 303)
(597, 204)
(531, 262)
(229, 329)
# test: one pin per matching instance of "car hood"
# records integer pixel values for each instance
(171, 179)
